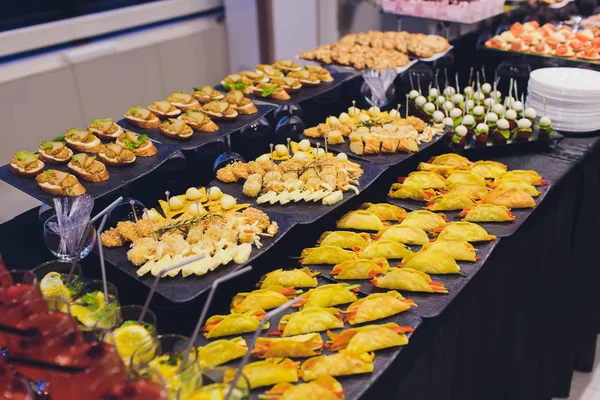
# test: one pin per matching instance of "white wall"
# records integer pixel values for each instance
(295, 26)
(42, 97)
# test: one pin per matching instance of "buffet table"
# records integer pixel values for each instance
(518, 329)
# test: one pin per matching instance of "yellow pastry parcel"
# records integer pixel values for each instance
(309, 320)
(477, 192)
(450, 202)
(451, 159)
(425, 180)
(299, 278)
(465, 231)
(404, 234)
(322, 388)
(329, 295)
(326, 255)
(511, 198)
(433, 263)
(443, 170)
(408, 279)
(377, 306)
(529, 176)
(360, 220)
(338, 364)
(369, 338)
(306, 345)
(487, 213)
(400, 191)
(233, 324)
(360, 269)
(344, 239)
(459, 250)
(265, 299)
(489, 169)
(384, 248)
(424, 219)
(270, 372)
(524, 186)
(465, 178)
(221, 351)
(385, 211)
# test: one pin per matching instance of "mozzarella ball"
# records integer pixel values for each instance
(193, 194)
(175, 203)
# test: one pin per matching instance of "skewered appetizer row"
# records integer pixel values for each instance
(377, 50)
(480, 116)
(484, 190)
(197, 222)
(309, 175)
(277, 81)
(549, 40)
(373, 131)
(123, 151)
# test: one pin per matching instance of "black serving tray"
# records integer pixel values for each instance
(388, 159)
(202, 138)
(354, 385)
(535, 140)
(303, 212)
(306, 93)
(430, 305)
(182, 290)
(500, 229)
(119, 176)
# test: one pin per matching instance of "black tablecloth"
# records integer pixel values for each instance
(518, 329)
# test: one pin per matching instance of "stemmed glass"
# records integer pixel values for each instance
(15, 388)
(149, 386)
(129, 334)
(59, 248)
(166, 356)
(215, 384)
(228, 157)
(53, 276)
(92, 306)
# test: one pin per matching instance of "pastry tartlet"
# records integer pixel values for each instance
(88, 168)
(140, 145)
(290, 85)
(55, 151)
(237, 82)
(199, 121)
(142, 117)
(164, 109)
(270, 90)
(176, 129)
(59, 183)
(240, 103)
(220, 110)
(322, 73)
(183, 101)
(82, 140)
(105, 128)
(255, 76)
(207, 94)
(25, 163)
(305, 77)
(116, 155)
(269, 70)
(287, 65)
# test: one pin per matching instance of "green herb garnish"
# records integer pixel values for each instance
(267, 91)
(197, 89)
(173, 360)
(59, 139)
(46, 145)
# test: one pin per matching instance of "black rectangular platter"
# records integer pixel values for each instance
(379, 158)
(534, 140)
(303, 212)
(354, 385)
(305, 93)
(182, 290)
(500, 229)
(202, 138)
(430, 305)
(119, 176)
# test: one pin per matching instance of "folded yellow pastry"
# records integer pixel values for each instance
(400, 191)
(404, 234)
(339, 364)
(233, 324)
(221, 351)
(299, 278)
(408, 279)
(265, 299)
(329, 295)
(360, 269)
(385, 211)
(433, 263)
(384, 248)
(322, 388)
(424, 219)
(368, 338)
(457, 249)
(309, 320)
(360, 220)
(377, 306)
(464, 231)
(326, 255)
(487, 213)
(344, 239)
(306, 345)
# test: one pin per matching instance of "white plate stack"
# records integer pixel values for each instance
(572, 97)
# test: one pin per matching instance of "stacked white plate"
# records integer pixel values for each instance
(572, 97)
